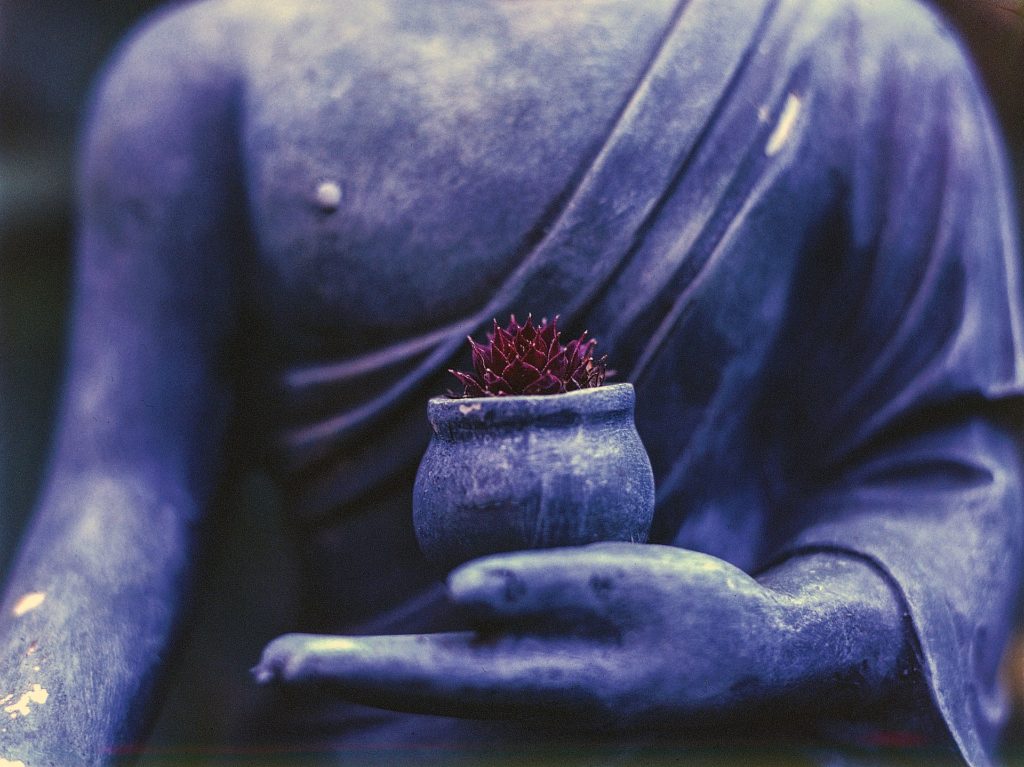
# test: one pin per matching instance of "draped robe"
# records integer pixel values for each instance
(797, 241)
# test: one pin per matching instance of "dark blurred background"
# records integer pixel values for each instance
(50, 53)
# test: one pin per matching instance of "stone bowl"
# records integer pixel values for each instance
(531, 472)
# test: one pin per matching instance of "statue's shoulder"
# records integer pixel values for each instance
(193, 43)
(171, 85)
(905, 35)
(244, 38)
(871, 64)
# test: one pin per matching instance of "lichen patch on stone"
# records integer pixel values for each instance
(28, 603)
(784, 127)
(38, 695)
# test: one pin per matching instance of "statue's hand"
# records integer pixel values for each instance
(608, 633)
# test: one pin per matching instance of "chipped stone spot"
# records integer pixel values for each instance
(32, 648)
(466, 409)
(37, 695)
(514, 588)
(28, 603)
(602, 585)
(328, 196)
(790, 111)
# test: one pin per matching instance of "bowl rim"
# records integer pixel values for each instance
(598, 400)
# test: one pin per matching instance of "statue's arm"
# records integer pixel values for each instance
(629, 637)
(96, 594)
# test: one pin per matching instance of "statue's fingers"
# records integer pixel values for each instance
(561, 585)
(453, 674)
(297, 658)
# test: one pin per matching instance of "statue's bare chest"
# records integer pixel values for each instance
(392, 185)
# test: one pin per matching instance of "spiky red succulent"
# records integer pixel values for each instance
(529, 359)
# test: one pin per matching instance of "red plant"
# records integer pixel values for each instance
(528, 359)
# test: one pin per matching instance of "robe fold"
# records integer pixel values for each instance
(798, 243)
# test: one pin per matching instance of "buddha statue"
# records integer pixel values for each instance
(788, 223)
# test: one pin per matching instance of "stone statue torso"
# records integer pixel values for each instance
(439, 135)
(400, 158)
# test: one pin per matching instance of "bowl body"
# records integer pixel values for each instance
(512, 473)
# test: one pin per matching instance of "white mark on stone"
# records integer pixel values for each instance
(332, 644)
(763, 114)
(466, 409)
(37, 695)
(6, 699)
(790, 111)
(9, 763)
(28, 603)
(328, 196)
